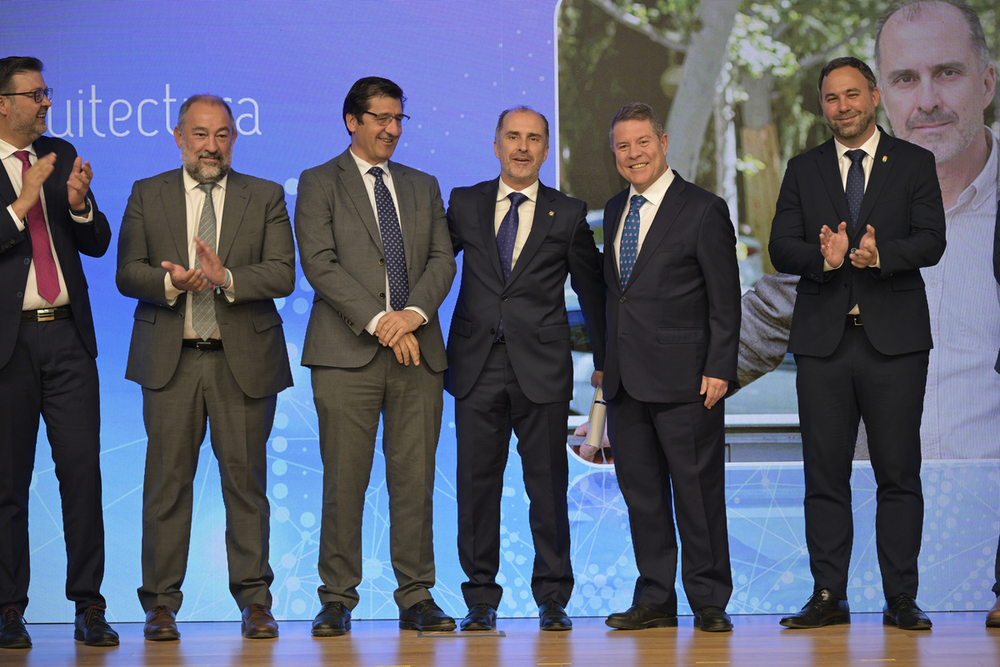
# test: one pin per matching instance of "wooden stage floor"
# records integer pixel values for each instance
(957, 640)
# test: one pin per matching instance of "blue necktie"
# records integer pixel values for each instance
(628, 248)
(203, 303)
(855, 193)
(506, 236)
(392, 243)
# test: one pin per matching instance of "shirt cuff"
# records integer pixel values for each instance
(420, 312)
(17, 221)
(84, 218)
(171, 292)
(373, 322)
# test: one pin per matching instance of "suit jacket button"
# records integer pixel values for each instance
(623, 299)
(493, 331)
(381, 261)
(503, 298)
(27, 260)
(381, 295)
(20, 295)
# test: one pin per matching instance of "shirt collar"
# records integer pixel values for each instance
(986, 187)
(654, 193)
(6, 150)
(364, 166)
(190, 184)
(869, 147)
(531, 192)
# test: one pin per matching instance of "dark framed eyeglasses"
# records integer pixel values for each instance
(36, 94)
(386, 118)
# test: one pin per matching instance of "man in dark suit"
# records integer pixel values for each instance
(673, 334)
(374, 244)
(509, 361)
(207, 345)
(47, 351)
(860, 334)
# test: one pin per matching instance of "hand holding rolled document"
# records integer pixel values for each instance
(595, 432)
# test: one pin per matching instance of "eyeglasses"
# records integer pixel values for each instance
(36, 94)
(386, 118)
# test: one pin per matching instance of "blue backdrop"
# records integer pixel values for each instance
(120, 71)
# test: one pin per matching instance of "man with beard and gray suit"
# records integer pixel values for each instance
(374, 244)
(207, 345)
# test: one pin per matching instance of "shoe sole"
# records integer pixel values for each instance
(477, 627)
(444, 627)
(332, 632)
(18, 644)
(839, 620)
(259, 634)
(657, 623)
(721, 627)
(993, 622)
(80, 637)
(888, 620)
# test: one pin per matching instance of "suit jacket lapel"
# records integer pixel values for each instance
(666, 213)
(611, 230)
(406, 203)
(829, 172)
(351, 179)
(486, 208)
(540, 225)
(174, 202)
(880, 173)
(237, 198)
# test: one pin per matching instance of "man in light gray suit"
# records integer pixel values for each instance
(374, 244)
(207, 345)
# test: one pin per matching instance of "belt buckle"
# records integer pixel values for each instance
(46, 314)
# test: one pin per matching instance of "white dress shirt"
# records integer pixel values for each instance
(654, 196)
(13, 165)
(369, 180)
(525, 214)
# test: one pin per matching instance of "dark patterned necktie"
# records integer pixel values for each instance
(392, 243)
(203, 303)
(855, 192)
(506, 236)
(507, 233)
(629, 246)
(855, 185)
(46, 275)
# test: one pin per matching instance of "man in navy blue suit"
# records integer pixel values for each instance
(857, 218)
(47, 351)
(673, 310)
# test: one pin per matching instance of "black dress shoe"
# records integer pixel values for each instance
(13, 634)
(821, 609)
(93, 630)
(713, 619)
(904, 613)
(333, 619)
(426, 616)
(161, 625)
(481, 617)
(639, 618)
(552, 617)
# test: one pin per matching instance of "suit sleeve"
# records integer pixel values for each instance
(274, 275)
(717, 257)
(764, 325)
(435, 282)
(136, 277)
(456, 238)
(926, 241)
(790, 250)
(586, 274)
(319, 255)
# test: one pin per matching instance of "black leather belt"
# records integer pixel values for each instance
(47, 314)
(209, 345)
(854, 321)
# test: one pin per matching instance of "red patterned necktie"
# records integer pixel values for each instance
(46, 276)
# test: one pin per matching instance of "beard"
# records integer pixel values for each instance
(865, 119)
(29, 127)
(204, 173)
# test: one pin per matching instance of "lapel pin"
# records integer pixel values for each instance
(552, 213)
(884, 158)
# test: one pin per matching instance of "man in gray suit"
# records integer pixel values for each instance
(207, 344)
(374, 244)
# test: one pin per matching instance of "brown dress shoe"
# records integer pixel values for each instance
(258, 623)
(993, 618)
(161, 625)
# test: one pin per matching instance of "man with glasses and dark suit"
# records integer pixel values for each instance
(374, 244)
(47, 351)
